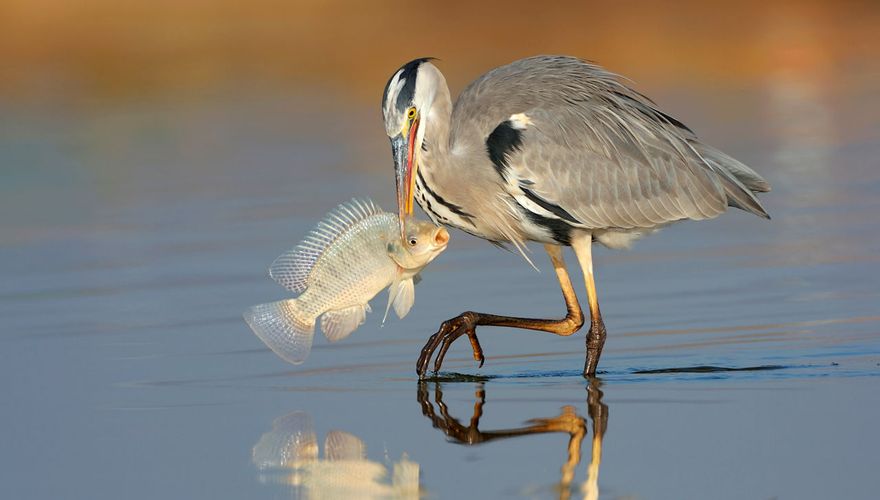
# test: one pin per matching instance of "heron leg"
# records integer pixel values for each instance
(467, 322)
(582, 246)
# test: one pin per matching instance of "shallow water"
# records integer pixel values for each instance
(742, 359)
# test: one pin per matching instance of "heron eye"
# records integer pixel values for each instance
(412, 242)
(411, 113)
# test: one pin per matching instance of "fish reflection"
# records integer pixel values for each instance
(289, 454)
(568, 422)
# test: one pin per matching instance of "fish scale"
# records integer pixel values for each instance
(350, 270)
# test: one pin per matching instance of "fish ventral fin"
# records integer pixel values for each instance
(283, 329)
(292, 268)
(339, 324)
(339, 445)
(401, 295)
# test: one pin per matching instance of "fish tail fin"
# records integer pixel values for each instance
(284, 328)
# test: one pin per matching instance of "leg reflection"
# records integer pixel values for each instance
(598, 412)
(567, 422)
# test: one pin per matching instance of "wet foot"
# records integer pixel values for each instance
(450, 330)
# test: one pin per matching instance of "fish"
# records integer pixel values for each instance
(352, 254)
(290, 454)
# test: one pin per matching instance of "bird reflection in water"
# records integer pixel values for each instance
(289, 454)
(567, 422)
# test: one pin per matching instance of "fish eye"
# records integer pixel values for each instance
(411, 113)
(412, 242)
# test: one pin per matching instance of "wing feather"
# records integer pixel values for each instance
(600, 150)
(646, 183)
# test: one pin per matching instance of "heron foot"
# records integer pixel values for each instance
(450, 330)
(450, 426)
(595, 343)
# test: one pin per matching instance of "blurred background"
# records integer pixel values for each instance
(156, 156)
(197, 74)
(98, 51)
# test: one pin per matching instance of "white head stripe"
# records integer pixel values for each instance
(394, 87)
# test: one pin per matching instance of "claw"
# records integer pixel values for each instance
(450, 330)
(475, 345)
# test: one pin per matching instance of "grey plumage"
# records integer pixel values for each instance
(579, 150)
(556, 150)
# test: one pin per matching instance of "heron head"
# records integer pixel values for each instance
(405, 105)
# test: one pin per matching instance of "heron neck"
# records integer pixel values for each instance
(437, 122)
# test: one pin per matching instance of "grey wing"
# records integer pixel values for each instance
(610, 167)
(571, 140)
(623, 187)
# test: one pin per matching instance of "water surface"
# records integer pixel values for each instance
(742, 359)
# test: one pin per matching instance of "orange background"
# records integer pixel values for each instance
(107, 49)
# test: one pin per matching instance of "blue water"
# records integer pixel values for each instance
(135, 235)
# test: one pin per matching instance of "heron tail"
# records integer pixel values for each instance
(284, 328)
(742, 172)
(740, 182)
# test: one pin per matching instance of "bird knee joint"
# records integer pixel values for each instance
(469, 318)
(577, 319)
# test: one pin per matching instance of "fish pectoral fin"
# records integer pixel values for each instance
(417, 278)
(401, 295)
(339, 324)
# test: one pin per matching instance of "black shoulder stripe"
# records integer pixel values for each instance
(501, 143)
(550, 207)
(559, 230)
(439, 199)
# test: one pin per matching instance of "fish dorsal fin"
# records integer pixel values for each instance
(339, 324)
(401, 296)
(292, 268)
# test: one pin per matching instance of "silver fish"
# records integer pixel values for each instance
(354, 253)
(290, 454)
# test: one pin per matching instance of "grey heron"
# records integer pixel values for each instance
(556, 150)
